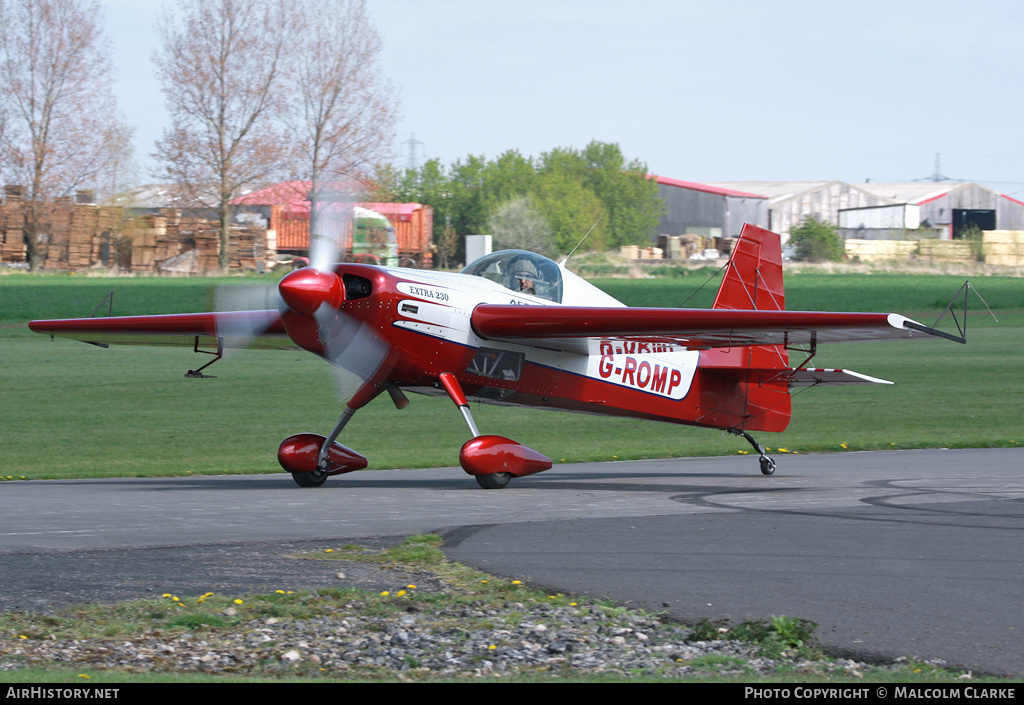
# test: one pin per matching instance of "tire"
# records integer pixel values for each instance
(308, 479)
(495, 481)
(767, 465)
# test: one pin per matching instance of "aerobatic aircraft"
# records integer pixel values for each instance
(516, 328)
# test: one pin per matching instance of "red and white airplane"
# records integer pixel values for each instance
(516, 328)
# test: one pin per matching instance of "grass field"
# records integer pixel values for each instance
(74, 410)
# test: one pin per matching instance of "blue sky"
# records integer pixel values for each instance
(701, 91)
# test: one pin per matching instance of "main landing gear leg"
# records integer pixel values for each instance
(497, 480)
(367, 393)
(767, 464)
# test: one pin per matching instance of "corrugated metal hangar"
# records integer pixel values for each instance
(707, 210)
(877, 211)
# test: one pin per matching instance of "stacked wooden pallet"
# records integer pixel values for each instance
(880, 250)
(1003, 247)
(946, 251)
(12, 220)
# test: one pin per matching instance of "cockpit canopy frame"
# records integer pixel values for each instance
(522, 272)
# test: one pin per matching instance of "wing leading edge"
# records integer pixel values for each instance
(235, 329)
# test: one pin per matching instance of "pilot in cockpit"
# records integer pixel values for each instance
(521, 275)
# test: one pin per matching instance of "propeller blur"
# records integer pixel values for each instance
(516, 328)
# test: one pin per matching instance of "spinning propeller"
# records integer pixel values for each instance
(312, 307)
(310, 302)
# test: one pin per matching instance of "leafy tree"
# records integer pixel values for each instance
(817, 241)
(571, 209)
(518, 225)
(629, 200)
(508, 176)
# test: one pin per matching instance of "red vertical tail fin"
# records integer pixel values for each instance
(754, 277)
(753, 280)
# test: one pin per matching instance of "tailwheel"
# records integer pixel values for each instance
(494, 481)
(309, 479)
(767, 463)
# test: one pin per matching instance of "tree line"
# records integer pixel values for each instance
(545, 204)
(256, 90)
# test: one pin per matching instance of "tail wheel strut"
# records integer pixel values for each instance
(765, 460)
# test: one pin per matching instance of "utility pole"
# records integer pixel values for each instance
(937, 174)
(411, 163)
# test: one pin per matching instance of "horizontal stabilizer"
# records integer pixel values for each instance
(805, 377)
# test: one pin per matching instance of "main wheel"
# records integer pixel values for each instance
(767, 465)
(495, 481)
(308, 479)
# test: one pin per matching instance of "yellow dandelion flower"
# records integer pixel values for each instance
(166, 594)
(329, 550)
(22, 636)
(492, 647)
(278, 592)
(517, 582)
(411, 587)
(84, 675)
(400, 593)
(238, 601)
(385, 593)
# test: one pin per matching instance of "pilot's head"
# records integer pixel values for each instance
(522, 273)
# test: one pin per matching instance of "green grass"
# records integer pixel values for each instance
(74, 410)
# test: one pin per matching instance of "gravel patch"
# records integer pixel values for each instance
(462, 642)
(352, 637)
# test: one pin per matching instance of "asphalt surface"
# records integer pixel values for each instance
(904, 553)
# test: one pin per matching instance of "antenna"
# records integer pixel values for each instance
(562, 263)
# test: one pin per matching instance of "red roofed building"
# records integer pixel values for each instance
(703, 209)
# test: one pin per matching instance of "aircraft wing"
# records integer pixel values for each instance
(562, 327)
(236, 329)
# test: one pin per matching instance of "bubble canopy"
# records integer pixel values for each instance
(522, 272)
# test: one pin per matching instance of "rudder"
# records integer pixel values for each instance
(753, 279)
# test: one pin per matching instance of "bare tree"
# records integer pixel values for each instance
(348, 110)
(221, 64)
(62, 131)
